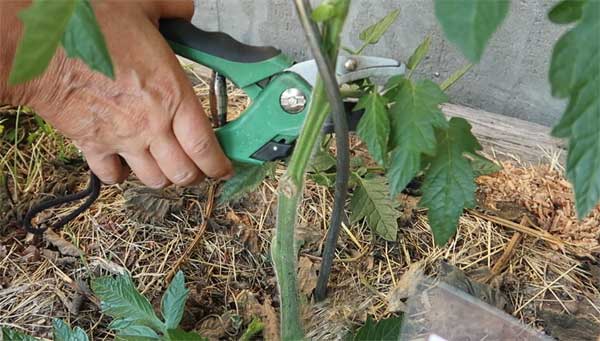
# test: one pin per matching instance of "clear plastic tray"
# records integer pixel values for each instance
(439, 312)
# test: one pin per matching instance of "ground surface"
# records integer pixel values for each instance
(523, 241)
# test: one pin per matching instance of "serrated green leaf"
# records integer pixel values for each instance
(45, 22)
(483, 166)
(247, 178)
(455, 77)
(323, 179)
(371, 201)
(575, 73)
(83, 39)
(449, 184)
(255, 327)
(321, 161)
(134, 333)
(566, 11)
(374, 126)
(419, 53)
(182, 335)
(62, 332)
(373, 33)
(9, 334)
(383, 330)
(470, 24)
(121, 300)
(414, 116)
(173, 302)
(404, 166)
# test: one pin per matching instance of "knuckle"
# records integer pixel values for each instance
(185, 178)
(201, 146)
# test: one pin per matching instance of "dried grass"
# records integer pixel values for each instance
(232, 262)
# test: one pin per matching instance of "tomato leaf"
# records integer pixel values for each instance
(566, 11)
(45, 22)
(373, 33)
(83, 39)
(471, 23)
(386, 329)
(483, 166)
(575, 73)
(374, 126)
(419, 53)
(247, 178)
(371, 201)
(173, 302)
(455, 77)
(121, 300)
(414, 116)
(62, 332)
(134, 333)
(182, 335)
(9, 334)
(449, 184)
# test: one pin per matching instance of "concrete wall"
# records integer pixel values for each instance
(511, 78)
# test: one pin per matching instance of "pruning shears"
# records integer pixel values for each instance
(279, 90)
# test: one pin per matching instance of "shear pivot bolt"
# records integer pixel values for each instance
(292, 101)
(351, 64)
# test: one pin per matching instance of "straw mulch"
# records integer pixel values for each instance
(523, 240)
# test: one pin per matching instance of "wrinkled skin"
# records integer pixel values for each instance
(149, 116)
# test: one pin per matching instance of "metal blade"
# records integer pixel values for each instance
(352, 68)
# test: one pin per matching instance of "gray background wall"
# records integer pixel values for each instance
(511, 78)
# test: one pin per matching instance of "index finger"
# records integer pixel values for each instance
(194, 132)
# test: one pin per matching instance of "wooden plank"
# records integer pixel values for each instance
(509, 137)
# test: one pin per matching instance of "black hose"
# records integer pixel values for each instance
(91, 192)
(327, 71)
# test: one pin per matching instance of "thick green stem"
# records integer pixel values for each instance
(283, 248)
(290, 191)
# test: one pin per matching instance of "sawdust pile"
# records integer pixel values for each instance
(534, 269)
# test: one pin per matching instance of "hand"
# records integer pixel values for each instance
(149, 115)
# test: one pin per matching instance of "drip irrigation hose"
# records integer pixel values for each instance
(91, 193)
(327, 71)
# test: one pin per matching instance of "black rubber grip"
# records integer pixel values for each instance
(218, 44)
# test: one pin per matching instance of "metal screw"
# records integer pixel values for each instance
(436, 74)
(293, 100)
(351, 64)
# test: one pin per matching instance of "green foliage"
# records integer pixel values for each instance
(47, 22)
(470, 23)
(83, 39)
(173, 302)
(121, 300)
(566, 11)
(449, 184)
(134, 317)
(483, 166)
(323, 12)
(9, 334)
(182, 335)
(255, 327)
(373, 33)
(374, 126)
(62, 332)
(458, 74)
(419, 53)
(371, 201)
(247, 178)
(575, 74)
(383, 330)
(414, 117)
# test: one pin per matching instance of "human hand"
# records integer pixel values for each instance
(149, 115)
